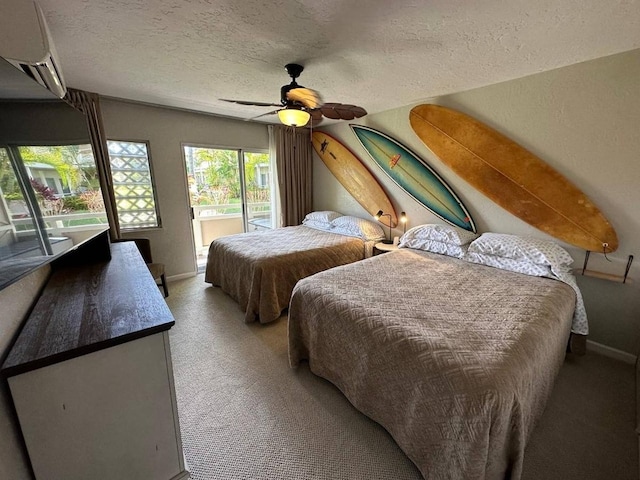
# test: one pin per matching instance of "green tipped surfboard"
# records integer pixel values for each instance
(414, 176)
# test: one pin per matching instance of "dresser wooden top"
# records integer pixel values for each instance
(89, 308)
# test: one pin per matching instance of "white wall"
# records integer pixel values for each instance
(584, 120)
(166, 130)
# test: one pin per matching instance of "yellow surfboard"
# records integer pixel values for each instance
(513, 177)
(353, 175)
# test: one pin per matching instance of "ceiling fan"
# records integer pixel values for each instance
(299, 104)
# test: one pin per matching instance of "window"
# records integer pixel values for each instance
(133, 185)
(52, 169)
(12, 208)
(57, 184)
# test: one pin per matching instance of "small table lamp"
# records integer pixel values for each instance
(377, 217)
(403, 220)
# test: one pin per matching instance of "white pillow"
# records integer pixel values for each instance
(440, 233)
(357, 227)
(434, 246)
(534, 250)
(325, 216)
(530, 256)
(324, 226)
(513, 265)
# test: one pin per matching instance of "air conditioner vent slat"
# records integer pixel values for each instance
(27, 69)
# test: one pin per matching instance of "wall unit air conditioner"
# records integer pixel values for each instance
(25, 42)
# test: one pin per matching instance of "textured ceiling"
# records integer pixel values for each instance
(378, 54)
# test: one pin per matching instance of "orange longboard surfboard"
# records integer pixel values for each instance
(353, 175)
(513, 177)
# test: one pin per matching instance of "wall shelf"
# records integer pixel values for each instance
(604, 276)
(585, 272)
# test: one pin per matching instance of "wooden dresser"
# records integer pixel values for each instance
(90, 373)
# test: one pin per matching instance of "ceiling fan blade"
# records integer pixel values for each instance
(263, 115)
(358, 111)
(305, 96)
(328, 110)
(340, 111)
(255, 104)
(316, 116)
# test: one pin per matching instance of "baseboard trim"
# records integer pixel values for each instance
(181, 276)
(184, 475)
(611, 352)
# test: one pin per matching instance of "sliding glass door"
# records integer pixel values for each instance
(258, 192)
(230, 191)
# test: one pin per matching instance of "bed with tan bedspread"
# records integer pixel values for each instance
(259, 269)
(455, 360)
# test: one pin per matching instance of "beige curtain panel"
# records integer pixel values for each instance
(294, 162)
(89, 104)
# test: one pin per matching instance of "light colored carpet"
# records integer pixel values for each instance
(246, 415)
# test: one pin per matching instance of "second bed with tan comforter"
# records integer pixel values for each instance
(455, 360)
(260, 269)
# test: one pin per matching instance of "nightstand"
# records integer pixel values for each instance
(380, 247)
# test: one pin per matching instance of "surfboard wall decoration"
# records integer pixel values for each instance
(353, 175)
(414, 176)
(513, 177)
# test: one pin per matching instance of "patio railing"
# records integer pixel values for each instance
(213, 221)
(57, 224)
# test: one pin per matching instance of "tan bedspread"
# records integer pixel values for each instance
(259, 269)
(455, 360)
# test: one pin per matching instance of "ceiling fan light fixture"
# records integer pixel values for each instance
(296, 103)
(294, 117)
